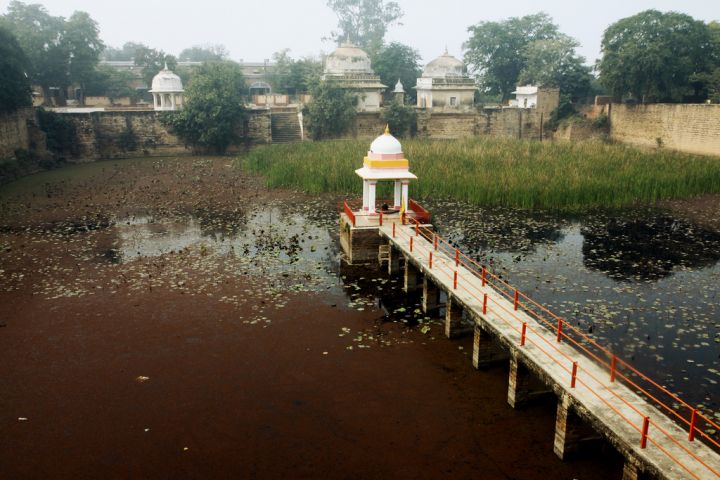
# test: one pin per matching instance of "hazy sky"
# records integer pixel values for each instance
(253, 30)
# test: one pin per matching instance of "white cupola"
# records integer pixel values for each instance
(167, 90)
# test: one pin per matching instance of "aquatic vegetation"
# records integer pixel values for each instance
(500, 172)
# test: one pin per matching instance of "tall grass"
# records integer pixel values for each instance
(501, 172)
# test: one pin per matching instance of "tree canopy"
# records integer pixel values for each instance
(294, 76)
(653, 56)
(204, 53)
(331, 111)
(496, 51)
(397, 61)
(554, 63)
(152, 61)
(213, 110)
(364, 22)
(14, 84)
(59, 52)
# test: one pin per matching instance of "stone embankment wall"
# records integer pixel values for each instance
(508, 122)
(688, 128)
(126, 134)
(14, 132)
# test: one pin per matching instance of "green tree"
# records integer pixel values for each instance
(364, 22)
(84, 46)
(59, 52)
(652, 56)
(331, 112)
(14, 85)
(204, 53)
(213, 111)
(111, 82)
(402, 119)
(40, 35)
(397, 61)
(495, 52)
(152, 61)
(124, 53)
(554, 63)
(294, 76)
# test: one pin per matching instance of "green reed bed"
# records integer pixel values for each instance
(501, 172)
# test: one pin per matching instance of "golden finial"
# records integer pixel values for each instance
(387, 129)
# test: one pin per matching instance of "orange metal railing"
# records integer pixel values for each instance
(696, 423)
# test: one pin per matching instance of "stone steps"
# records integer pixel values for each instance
(285, 127)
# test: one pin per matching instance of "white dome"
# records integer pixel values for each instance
(399, 87)
(347, 58)
(166, 82)
(386, 144)
(444, 66)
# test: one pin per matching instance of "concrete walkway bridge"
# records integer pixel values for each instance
(600, 396)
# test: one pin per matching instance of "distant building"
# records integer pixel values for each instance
(545, 99)
(444, 85)
(167, 90)
(350, 67)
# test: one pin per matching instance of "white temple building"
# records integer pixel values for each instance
(167, 91)
(350, 66)
(385, 162)
(444, 85)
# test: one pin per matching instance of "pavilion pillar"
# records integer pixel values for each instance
(404, 193)
(365, 195)
(398, 193)
(371, 196)
(172, 100)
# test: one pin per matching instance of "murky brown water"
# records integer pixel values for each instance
(171, 318)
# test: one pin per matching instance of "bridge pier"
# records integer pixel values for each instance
(453, 318)
(486, 350)
(522, 385)
(411, 277)
(631, 471)
(393, 260)
(571, 433)
(431, 295)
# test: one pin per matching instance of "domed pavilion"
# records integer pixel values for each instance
(167, 90)
(350, 67)
(385, 162)
(444, 85)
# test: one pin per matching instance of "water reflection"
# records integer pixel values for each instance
(640, 249)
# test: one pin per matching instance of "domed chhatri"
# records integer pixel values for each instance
(385, 161)
(347, 58)
(167, 90)
(349, 67)
(444, 66)
(444, 85)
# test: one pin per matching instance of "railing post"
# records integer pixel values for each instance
(483, 276)
(644, 434)
(455, 280)
(417, 228)
(522, 334)
(430, 261)
(411, 242)
(693, 421)
(381, 218)
(613, 368)
(484, 303)
(394, 229)
(574, 375)
(457, 257)
(516, 299)
(435, 240)
(559, 330)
